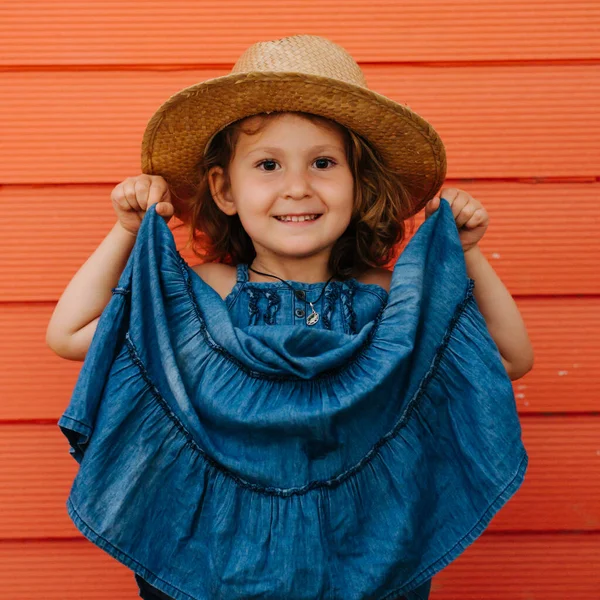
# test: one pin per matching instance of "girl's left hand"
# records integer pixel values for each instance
(470, 216)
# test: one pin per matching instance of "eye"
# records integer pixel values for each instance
(267, 161)
(323, 159)
(320, 160)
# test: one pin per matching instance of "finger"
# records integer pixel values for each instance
(465, 213)
(165, 209)
(119, 197)
(159, 193)
(457, 205)
(477, 219)
(142, 189)
(450, 194)
(129, 194)
(432, 206)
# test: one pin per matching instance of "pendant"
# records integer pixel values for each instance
(313, 317)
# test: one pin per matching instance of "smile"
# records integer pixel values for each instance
(297, 220)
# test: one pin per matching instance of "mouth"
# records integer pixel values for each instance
(297, 221)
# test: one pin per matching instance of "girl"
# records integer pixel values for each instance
(289, 419)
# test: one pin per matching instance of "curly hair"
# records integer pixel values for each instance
(377, 224)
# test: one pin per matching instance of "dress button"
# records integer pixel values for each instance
(299, 312)
(301, 294)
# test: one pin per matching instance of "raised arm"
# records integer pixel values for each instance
(502, 317)
(75, 317)
(76, 314)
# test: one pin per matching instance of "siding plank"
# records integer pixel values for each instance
(505, 122)
(511, 567)
(36, 384)
(532, 241)
(561, 489)
(69, 32)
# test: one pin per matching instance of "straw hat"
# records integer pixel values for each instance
(298, 73)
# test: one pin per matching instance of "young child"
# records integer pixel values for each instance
(290, 419)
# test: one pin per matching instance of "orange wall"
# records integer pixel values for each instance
(512, 88)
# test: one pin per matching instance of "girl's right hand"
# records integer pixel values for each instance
(134, 196)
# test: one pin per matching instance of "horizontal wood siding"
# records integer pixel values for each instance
(513, 90)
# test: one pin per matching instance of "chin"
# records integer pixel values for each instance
(292, 250)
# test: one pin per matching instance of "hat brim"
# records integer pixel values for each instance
(176, 135)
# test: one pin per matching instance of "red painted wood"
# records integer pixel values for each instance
(507, 567)
(500, 122)
(534, 241)
(561, 491)
(69, 32)
(512, 89)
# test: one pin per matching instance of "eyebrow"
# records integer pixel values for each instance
(275, 150)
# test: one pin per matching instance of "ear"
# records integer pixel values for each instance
(219, 191)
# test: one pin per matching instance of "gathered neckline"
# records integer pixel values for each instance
(301, 284)
(280, 286)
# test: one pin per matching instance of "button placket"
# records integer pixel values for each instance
(300, 295)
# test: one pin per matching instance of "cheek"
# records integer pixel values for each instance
(251, 199)
(342, 198)
(336, 190)
(342, 185)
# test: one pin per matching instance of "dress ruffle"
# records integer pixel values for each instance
(280, 462)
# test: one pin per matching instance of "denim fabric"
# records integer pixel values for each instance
(219, 461)
(345, 306)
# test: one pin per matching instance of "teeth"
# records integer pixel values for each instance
(301, 218)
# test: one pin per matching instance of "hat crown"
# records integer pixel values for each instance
(309, 54)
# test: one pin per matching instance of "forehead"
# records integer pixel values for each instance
(288, 129)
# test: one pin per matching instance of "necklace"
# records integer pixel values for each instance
(314, 315)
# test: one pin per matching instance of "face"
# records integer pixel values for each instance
(292, 166)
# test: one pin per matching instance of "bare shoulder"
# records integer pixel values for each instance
(377, 275)
(220, 277)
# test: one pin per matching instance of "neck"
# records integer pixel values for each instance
(302, 270)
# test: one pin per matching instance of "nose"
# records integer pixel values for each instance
(297, 183)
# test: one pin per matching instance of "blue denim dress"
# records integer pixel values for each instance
(221, 456)
(344, 306)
